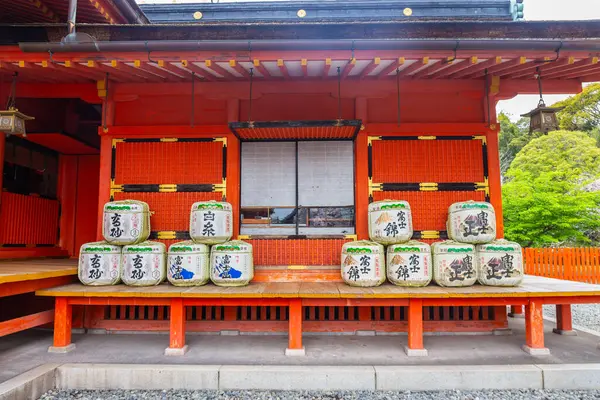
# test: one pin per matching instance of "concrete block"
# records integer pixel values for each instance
(62, 349)
(571, 376)
(365, 333)
(463, 377)
(535, 352)
(29, 385)
(278, 377)
(502, 332)
(564, 333)
(129, 376)
(176, 352)
(295, 352)
(230, 333)
(415, 352)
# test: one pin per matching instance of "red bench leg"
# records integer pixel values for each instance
(564, 324)
(516, 311)
(415, 329)
(295, 347)
(177, 346)
(534, 329)
(63, 319)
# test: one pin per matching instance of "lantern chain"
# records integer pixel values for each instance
(12, 96)
(398, 92)
(487, 97)
(105, 103)
(193, 97)
(538, 75)
(339, 79)
(250, 102)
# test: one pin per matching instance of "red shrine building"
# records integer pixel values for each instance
(299, 114)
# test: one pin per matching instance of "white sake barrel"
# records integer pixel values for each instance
(126, 222)
(454, 264)
(363, 263)
(211, 222)
(144, 264)
(472, 222)
(188, 264)
(500, 263)
(231, 263)
(99, 264)
(409, 264)
(390, 222)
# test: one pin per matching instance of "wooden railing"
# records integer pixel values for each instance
(574, 264)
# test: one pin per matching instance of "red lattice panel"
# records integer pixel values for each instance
(169, 163)
(171, 211)
(430, 209)
(416, 161)
(269, 252)
(28, 220)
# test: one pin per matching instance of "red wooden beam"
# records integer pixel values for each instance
(283, 68)
(79, 69)
(304, 67)
(384, 73)
(185, 74)
(258, 66)
(219, 70)
(459, 66)
(348, 67)
(110, 13)
(369, 68)
(544, 67)
(500, 67)
(121, 74)
(581, 65)
(26, 322)
(591, 70)
(126, 68)
(476, 68)
(239, 69)
(326, 69)
(413, 67)
(9, 69)
(20, 287)
(150, 67)
(430, 69)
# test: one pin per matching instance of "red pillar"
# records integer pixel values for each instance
(534, 329)
(415, 329)
(177, 346)
(295, 347)
(564, 321)
(63, 320)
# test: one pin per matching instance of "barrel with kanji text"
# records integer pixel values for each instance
(472, 222)
(454, 264)
(144, 264)
(500, 263)
(231, 263)
(188, 264)
(363, 263)
(126, 222)
(211, 222)
(390, 222)
(99, 264)
(409, 264)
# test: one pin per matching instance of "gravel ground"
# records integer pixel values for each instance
(585, 315)
(304, 395)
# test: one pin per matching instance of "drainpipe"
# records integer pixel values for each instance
(74, 38)
(133, 14)
(72, 16)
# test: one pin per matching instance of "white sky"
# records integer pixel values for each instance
(534, 10)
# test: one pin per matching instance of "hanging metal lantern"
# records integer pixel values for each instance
(12, 122)
(542, 119)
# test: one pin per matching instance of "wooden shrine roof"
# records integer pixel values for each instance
(533, 286)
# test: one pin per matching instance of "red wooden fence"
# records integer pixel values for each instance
(574, 264)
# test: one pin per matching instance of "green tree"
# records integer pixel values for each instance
(582, 112)
(545, 199)
(512, 138)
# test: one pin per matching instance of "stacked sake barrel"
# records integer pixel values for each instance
(473, 254)
(125, 254)
(227, 263)
(408, 261)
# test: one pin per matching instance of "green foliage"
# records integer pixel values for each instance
(546, 199)
(512, 138)
(581, 112)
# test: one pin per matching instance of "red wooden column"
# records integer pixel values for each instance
(295, 347)
(516, 311)
(177, 346)
(564, 324)
(534, 329)
(415, 329)
(63, 319)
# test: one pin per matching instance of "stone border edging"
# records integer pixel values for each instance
(37, 381)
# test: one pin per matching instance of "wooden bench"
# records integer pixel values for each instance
(27, 276)
(535, 292)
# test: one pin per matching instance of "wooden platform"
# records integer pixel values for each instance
(27, 276)
(533, 294)
(26, 270)
(533, 286)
